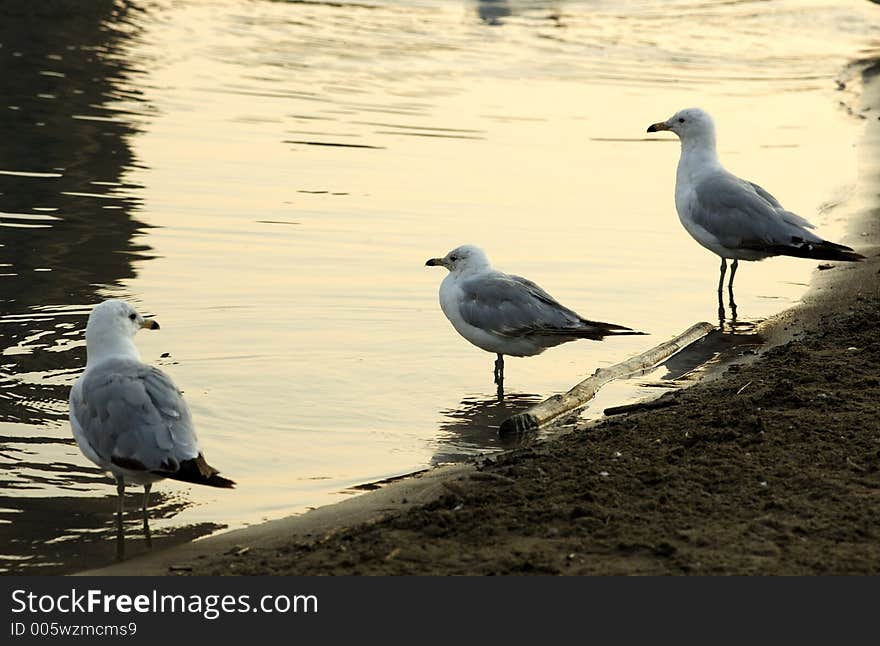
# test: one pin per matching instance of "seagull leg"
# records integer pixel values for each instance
(733, 267)
(721, 292)
(723, 271)
(499, 371)
(120, 508)
(146, 516)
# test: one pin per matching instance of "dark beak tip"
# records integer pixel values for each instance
(651, 128)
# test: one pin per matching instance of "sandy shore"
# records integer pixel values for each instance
(773, 468)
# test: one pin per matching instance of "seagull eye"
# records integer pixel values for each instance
(681, 119)
(132, 316)
(453, 258)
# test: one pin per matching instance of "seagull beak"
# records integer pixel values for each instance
(434, 262)
(657, 127)
(150, 324)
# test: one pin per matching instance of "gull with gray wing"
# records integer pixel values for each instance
(128, 417)
(732, 217)
(506, 314)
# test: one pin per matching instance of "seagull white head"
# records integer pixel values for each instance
(111, 328)
(462, 259)
(690, 124)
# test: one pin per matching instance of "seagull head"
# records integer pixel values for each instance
(113, 323)
(462, 259)
(688, 124)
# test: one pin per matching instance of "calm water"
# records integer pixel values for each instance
(268, 178)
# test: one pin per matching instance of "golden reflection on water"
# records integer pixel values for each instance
(333, 326)
(296, 164)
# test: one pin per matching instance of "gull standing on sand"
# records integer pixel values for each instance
(732, 217)
(128, 417)
(507, 314)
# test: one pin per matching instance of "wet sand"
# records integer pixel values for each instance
(771, 467)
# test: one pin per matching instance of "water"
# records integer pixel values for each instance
(268, 178)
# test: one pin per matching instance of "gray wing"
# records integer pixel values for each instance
(741, 214)
(788, 216)
(512, 305)
(765, 195)
(134, 416)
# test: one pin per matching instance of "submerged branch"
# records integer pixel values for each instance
(552, 407)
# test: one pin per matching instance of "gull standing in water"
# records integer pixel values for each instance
(732, 217)
(128, 417)
(507, 314)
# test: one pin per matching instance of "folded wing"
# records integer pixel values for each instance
(743, 215)
(514, 306)
(133, 416)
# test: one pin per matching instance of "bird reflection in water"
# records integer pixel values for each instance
(496, 12)
(493, 12)
(722, 314)
(719, 345)
(73, 533)
(471, 428)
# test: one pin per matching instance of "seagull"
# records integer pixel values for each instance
(507, 314)
(128, 417)
(732, 217)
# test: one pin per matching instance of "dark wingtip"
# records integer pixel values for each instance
(842, 251)
(823, 250)
(217, 480)
(612, 329)
(198, 471)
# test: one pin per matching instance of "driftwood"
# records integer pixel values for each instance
(552, 407)
(664, 401)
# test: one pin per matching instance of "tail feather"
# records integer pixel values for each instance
(198, 471)
(823, 250)
(612, 329)
(595, 330)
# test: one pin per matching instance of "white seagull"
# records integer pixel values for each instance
(508, 314)
(128, 417)
(732, 217)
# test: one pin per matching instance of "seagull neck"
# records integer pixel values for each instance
(119, 346)
(698, 153)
